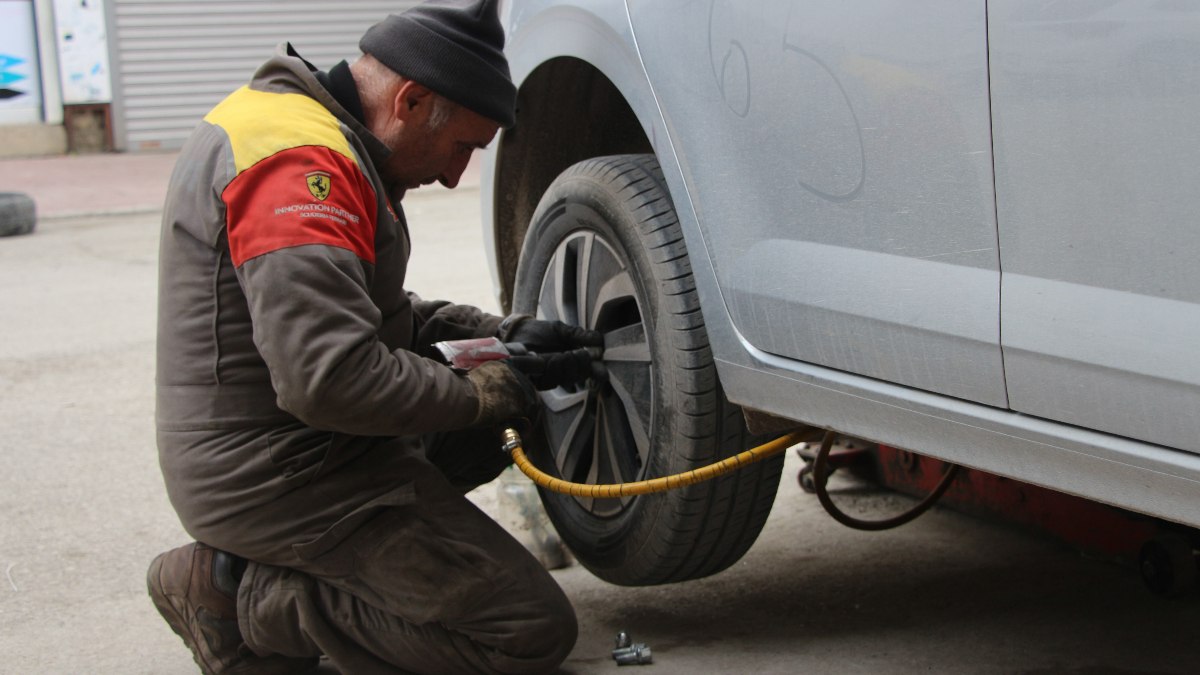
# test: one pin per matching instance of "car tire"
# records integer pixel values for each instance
(17, 214)
(605, 250)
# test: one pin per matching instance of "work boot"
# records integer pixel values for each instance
(194, 589)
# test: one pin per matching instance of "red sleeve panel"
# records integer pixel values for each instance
(303, 195)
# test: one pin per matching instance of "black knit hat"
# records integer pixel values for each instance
(452, 47)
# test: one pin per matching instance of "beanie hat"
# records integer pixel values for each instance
(454, 47)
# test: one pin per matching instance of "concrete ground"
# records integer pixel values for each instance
(82, 512)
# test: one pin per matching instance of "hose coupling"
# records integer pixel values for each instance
(512, 440)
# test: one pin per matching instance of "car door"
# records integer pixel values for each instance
(1097, 141)
(838, 158)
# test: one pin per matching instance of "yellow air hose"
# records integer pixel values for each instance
(512, 444)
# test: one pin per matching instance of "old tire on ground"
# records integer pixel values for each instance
(17, 214)
(606, 251)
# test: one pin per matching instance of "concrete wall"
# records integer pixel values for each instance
(32, 140)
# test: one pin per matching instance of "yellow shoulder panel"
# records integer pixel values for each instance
(261, 124)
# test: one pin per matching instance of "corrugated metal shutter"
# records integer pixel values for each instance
(176, 59)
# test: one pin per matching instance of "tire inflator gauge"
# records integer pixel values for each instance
(464, 355)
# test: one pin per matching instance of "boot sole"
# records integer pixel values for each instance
(274, 664)
(177, 622)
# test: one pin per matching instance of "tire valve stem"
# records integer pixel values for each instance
(630, 653)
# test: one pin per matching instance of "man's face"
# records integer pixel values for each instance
(426, 150)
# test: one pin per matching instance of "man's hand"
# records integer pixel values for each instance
(504, 394)
(543, 337)
(557, 369)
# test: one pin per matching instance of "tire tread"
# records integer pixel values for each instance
(703, 528)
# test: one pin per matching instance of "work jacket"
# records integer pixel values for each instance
(284, 330)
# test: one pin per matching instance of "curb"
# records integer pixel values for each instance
(102, 213)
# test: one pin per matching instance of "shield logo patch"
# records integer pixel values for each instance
(319, 184)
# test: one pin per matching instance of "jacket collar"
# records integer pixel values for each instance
(287, 71)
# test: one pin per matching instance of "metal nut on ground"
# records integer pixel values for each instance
(636, 654)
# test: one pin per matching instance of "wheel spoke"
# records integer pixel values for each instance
(608, 286)
(594, 453)
(610, 460)
(603, 461)
(583, 263)
(558, 400)
(565, 301)
(561, 294)
(632, 386)
(627, 344)
(572, 452)
(567, 413)
(548, 306)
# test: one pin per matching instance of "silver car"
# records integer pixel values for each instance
(962, 227)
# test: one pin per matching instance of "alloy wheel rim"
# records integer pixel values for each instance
(600, 432)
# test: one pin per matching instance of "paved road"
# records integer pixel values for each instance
(82, 511)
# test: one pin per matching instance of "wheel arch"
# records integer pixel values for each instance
(559, 106)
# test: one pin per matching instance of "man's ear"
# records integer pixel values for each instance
(413, 102)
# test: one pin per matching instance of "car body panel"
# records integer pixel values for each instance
(1121, 470)
(844, 183)
(1097, 141)
(1147, 478)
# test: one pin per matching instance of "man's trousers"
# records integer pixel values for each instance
(414, 579)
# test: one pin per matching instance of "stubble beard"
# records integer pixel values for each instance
(406, 144)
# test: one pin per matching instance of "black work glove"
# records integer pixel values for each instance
(557, 369)
(505, 394)
(547, 336)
